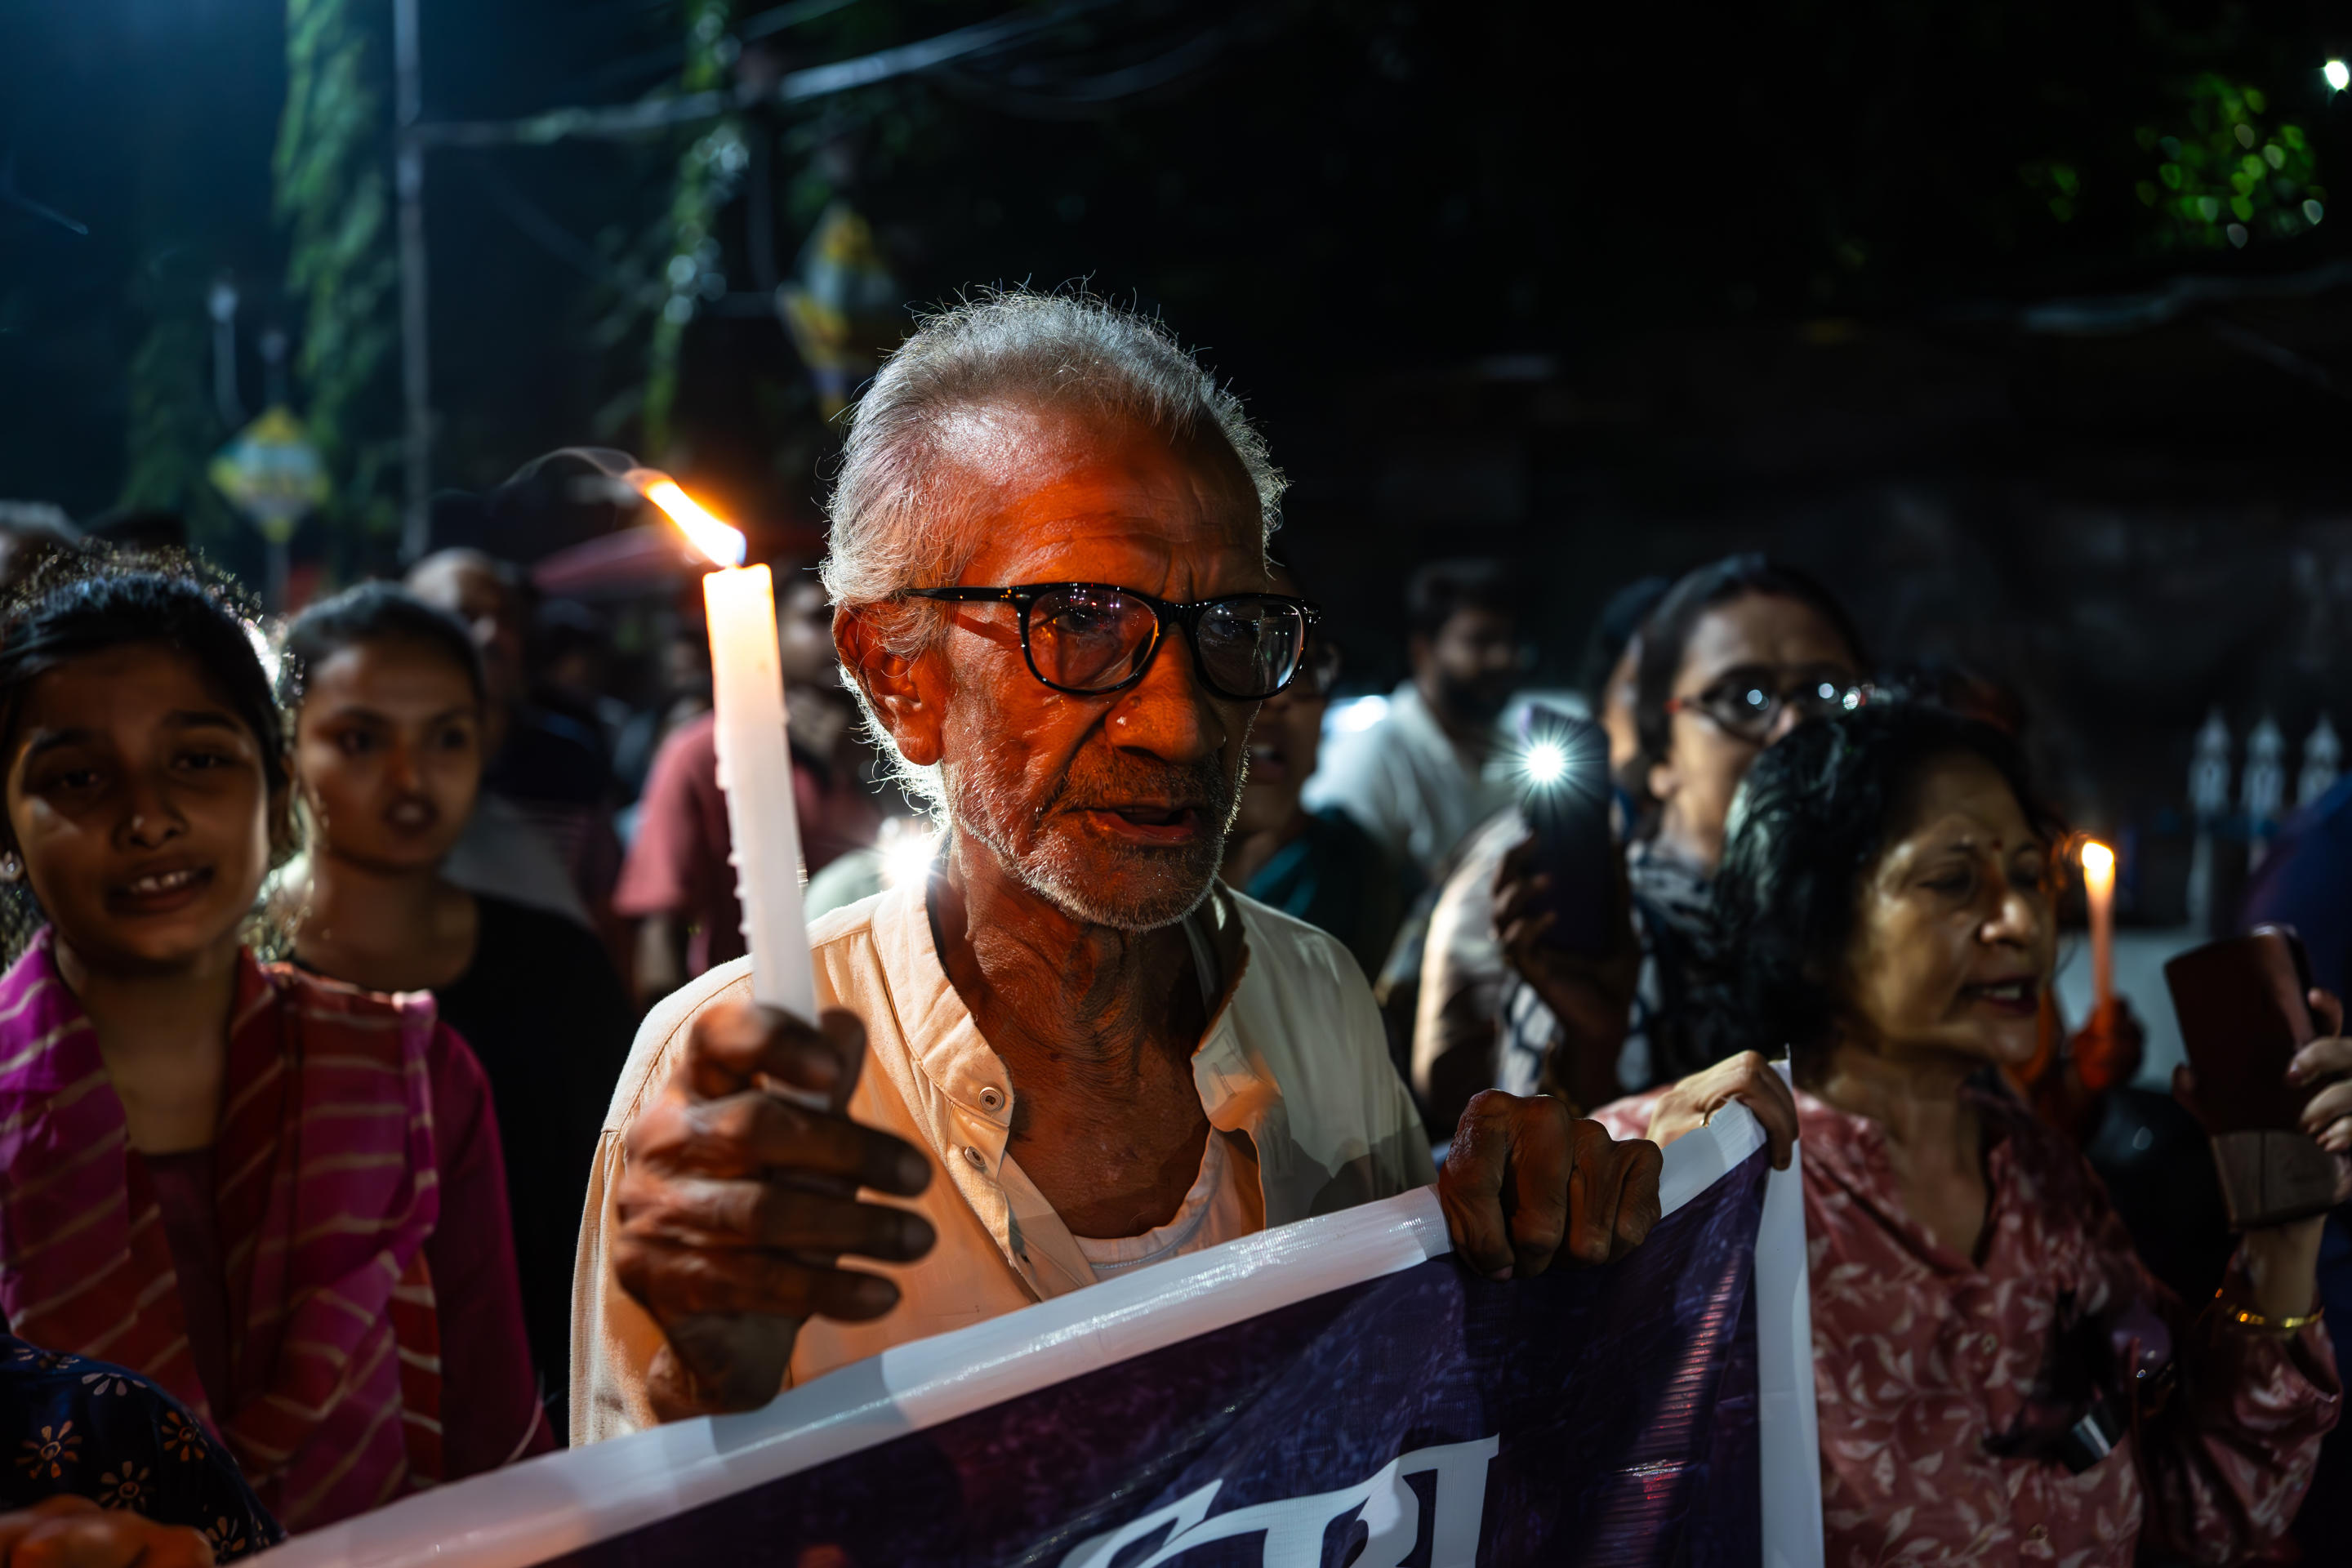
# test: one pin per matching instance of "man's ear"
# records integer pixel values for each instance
(1416, 652)
(897, 686)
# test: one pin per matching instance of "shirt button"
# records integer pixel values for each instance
(2039, 1532)
(974, 1158)
(991, 1097)
(1988, 1345)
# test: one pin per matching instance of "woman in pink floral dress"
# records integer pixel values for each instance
(1999, 1378)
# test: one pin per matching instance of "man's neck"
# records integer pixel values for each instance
(1096, 1027)
(1042, 982)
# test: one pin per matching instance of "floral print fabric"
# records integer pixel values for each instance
(1925, 1361)
(85, 1428)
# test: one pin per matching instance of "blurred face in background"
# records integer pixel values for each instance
(468, 585)
(1469, 670)
(1287, 736)
(1755, 642)
(388, 754)
(805, 633)
(686, 662)
(1956, 934)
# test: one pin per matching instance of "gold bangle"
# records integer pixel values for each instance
(2245, 1318)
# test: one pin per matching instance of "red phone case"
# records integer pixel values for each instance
(2243, 1017)
(2242, 1013)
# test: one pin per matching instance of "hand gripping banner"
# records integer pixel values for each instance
(1337, 1392)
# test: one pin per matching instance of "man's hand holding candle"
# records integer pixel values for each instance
(738, 1201)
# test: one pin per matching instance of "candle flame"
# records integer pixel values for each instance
(722, 542)
(2098, 860)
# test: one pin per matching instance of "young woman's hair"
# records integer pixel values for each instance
(369, 613)
(1667, 634)
(1811, 818)
(82, 602)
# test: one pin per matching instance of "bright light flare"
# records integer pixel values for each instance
(908, 849)
(1546, 763)
(2098, 862)
(2339, 74)
(1356, 713)
(722, 542)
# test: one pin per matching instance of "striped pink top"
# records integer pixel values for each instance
(327, 1189)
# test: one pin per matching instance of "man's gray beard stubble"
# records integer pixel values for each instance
(975, 808)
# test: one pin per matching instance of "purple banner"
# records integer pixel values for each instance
(1339, 1392)
(1425, 1417)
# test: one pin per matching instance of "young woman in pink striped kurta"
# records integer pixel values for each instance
(279, 1198)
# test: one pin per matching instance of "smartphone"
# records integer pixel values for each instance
(1564, 795)
(2242, 1013)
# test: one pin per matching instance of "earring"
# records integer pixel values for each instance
(11, 869)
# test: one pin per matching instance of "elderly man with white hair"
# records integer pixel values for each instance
(1072, 1052)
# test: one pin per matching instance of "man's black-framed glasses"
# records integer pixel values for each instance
(1091, 639)
(1749, 700)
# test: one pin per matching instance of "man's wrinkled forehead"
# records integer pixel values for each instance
(1044, 468)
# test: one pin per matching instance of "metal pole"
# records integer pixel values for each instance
(222, 303)
(417, 516)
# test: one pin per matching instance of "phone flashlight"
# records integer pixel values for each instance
(1564, 795)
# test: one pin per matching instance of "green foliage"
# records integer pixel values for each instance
(333, 194)
(2222, 177)
(708, 173)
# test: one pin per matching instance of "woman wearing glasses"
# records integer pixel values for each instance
(1736, 655)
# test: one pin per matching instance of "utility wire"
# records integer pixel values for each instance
(767, 23)
(1082, 97)
(817, 81)
(16, 198)
(553, 236)
(671, 55)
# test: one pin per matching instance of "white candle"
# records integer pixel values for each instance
(2099, 884)
(755, 766)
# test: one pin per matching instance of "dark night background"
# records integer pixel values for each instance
(1917, 294)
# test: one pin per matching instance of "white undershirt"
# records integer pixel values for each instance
(1215, 1210)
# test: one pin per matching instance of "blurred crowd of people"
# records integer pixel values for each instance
(412, 876)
